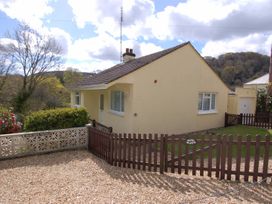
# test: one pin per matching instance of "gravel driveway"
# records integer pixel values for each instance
(80, 177)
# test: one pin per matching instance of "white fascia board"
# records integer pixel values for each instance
(93, 87)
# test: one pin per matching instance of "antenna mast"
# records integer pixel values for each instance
(121, 33)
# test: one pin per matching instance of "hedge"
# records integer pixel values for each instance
(56, 119)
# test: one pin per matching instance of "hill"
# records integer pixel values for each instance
(238, 68)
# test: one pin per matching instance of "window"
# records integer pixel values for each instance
(117, 101)
(77, 99)
(101, 102)
(206, 102)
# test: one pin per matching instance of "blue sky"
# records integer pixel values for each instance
(89, 30)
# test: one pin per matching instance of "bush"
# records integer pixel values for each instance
(56, 119)
(8, 123)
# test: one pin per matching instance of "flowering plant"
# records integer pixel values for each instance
(8, 123)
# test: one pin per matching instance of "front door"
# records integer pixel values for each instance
(101, 108)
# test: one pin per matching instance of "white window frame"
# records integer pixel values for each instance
(121, 108)
(201, 100)
(77, 99)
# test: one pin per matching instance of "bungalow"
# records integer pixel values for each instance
(171, 91)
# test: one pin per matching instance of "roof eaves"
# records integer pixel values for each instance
(91, 87)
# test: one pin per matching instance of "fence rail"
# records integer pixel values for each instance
(225, 157)
(101, 127)
(262, 120)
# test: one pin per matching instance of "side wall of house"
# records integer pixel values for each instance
(232, 104)
(165, 94)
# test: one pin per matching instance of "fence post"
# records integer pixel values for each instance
(88, 126)
(162, 153)
(111, 149)
(241, 119)
(223, 145)
(226, 119)
(94, 123)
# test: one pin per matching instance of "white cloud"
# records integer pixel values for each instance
(207, 10)
(103, 46)
(62, 37)
(211, 20)
(253, 42)
(28, 11)
(91, 66)
(106, 16)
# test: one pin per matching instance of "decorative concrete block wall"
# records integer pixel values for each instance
(31, 143)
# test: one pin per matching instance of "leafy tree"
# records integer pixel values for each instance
(71, 76)
(50, 93)
(238, 68)
(6, 67)
(10, 90)
(33, 55)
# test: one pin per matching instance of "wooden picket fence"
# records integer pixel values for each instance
(261, 120)
(223, 157)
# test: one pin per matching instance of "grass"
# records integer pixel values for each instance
(243, 131)
(235, 131)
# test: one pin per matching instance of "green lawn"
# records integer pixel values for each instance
(235, 131)
(243, 130)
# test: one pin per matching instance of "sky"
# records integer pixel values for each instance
(89, 30)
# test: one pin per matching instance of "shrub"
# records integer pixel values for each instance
(8, 123)
(56, 119)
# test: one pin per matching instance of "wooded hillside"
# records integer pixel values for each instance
(238, 68)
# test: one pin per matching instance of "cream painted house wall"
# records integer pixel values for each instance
(162, 97)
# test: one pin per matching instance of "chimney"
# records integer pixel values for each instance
(270, 67)
(128, 55)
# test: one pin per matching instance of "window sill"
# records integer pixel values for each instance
(76, 106)
(207, 112)
(117, 113)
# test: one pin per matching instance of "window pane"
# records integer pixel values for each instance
(101, 102)
(122, 102)
(77, 98)
(206, 104)
(200, 102)
(117, 101)
(213, 102)
(112, 101)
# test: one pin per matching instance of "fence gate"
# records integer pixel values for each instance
(221, 156)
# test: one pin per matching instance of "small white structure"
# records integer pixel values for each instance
(259, 83)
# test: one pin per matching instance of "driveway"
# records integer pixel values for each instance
(80, 177)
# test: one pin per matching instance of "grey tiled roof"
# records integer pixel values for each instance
(123, 69)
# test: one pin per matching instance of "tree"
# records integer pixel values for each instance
(50, 93)
(5, 67)
(33, 54)
(71, 76)
(238, 68)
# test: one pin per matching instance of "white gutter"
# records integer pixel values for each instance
(92, 87)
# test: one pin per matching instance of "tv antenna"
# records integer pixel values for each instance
(121, 34)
